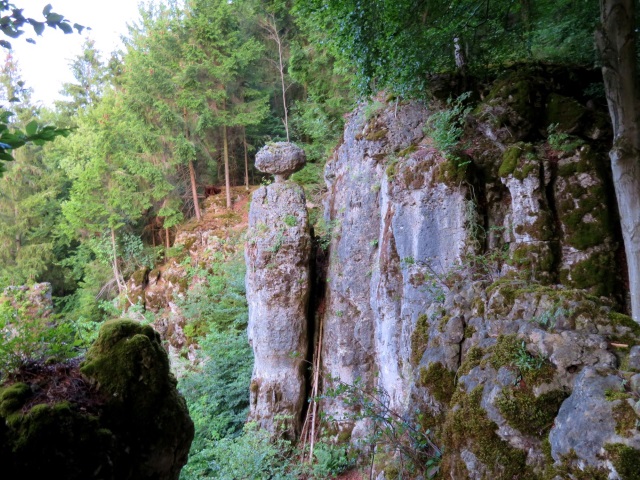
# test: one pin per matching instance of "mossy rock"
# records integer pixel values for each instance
(625, 459)
(564, 112)
(440, 382)
(468, 427)
(140, 277)
(520, 161)
(583, 210)
(128, 359)
(12, 398)
(454, 170)
(419, 339)
(527, 413)
(58, 441)
(595, 274)
(122, 419)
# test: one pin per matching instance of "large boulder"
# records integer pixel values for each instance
(117, 416)
(280, 159)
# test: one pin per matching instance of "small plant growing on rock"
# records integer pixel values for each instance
(390, 433)
(562, 141)
(290, 221)
(446, 126)
(373, 109)
(548, 318)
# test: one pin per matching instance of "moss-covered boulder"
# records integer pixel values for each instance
(116, 416)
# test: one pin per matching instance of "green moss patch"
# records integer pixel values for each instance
(467, 427)
(520, 161)
(453, 170)
(440, 382)
(625, 418)
(141, 276)
(565, 112)
(584, 214)
(534, 258)
(510, 351)
(527, 413)
(13, 397)
(419, 339)
(625, 459)
(627, 330)
(376, 135)
(594, 274)
(471, 360)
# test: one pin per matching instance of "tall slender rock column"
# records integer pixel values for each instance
(277, 253)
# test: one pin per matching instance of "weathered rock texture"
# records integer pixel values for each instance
(479, 289)
(278, 283)
(280, 159)
(119, 416)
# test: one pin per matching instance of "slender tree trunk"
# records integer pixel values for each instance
(246, 158)
(272, 30)
(194, 190)
(167, 238)
(192, 172)
(526, 12)
(616, 42)
(116, 270)
(461, 61)
(225, 149)
(284, 89)
(18, 237)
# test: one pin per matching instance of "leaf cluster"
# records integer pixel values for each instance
(12, 138)
(13, 22)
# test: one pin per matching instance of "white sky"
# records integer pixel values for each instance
(44, 65)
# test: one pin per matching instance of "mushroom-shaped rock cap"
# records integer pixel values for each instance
(280, 158)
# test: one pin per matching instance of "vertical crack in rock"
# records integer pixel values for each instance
(278, 282)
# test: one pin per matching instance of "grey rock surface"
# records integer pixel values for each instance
(415, 278)
(277, 253)
(280, 159)
(585, 422)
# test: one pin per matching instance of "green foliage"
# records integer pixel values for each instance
(290, 221)
(390, 431)
(90, 75)
(445, 127)
(217, 394)
(252, 455)
(373, 109)
(217, 296)
(13, 23)
(561, 141)
(27, 335)
(399, 44)
(331, 460)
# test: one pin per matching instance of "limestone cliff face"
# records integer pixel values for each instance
(479, 290)
(392, 223)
